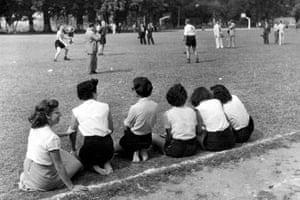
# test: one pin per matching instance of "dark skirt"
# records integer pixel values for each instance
(181, 148)
(131, 142)
(220, 140)
(190, 41)
(59, 44)
(96, 150)
(244, 134)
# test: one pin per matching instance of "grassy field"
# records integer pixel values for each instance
(265, 77)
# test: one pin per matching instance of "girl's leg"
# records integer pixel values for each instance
(108, 167)
(66, 54)
(136, 156)
(188, 54)
(100, 170)
(101, 49)
(58, 50)
(196, 54)
(159, 142)
(144, 154)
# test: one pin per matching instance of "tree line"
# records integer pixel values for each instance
(151, 10)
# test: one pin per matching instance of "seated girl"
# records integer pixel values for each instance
(47, 166)
(218, 134)
(180, 124)
(93, 119)
(139, 122)
(240, 120)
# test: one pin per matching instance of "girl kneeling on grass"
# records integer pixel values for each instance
(180, 124)
(217, 135)
(140, 121)
(94, 121)
(241, 122)
(47, 166)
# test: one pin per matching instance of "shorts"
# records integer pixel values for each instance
(181, 148)
(102, 40)
(219, 140)
(131, 142)
(96, 150)
(190, 41)
(244, 134)
(59, 44)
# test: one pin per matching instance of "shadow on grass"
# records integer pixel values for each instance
(207, 61)
(256, 135)
(115, 54)
(114, 71)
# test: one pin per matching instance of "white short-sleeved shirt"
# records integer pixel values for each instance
(182, 121)
(213, 115)
(40, 142)
(142, 116)
(60, 35)
(281, 27)
(189, 30)
(92, 117)
(217, 30)
(236, 113)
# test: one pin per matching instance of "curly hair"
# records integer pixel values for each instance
(198, 95)
(86, 89)
(142, 86)
(39, 118)
(176, 95)
(221, 92)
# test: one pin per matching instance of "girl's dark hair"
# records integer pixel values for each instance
(199, 94)
(177, 95)
(142, 86)
(222, 93)
(42, 110)
(86, 89)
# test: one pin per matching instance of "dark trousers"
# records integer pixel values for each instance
(150, 39)
(93, 62)
(131, 142)
(143, 38)
(96, 150)
(219, 140)
(244, 134)
(181, 148)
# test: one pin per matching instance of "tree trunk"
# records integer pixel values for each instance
(47, 26)
(30, 18)
(79, 20)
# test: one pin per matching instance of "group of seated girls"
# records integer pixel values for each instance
(216, 122)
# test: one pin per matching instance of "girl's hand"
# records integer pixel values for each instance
(79, 188)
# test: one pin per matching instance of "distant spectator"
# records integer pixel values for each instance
(142, 34)
(266, 31)
(218, 35)
(276, 33)
(281, 30)
(231, 34)
(149, 32)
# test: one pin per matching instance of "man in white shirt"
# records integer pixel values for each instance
(276, 33)
(281, 28)
(218, 35)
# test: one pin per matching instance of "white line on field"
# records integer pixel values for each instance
(178, 165)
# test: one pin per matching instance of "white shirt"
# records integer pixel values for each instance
(213, 115)
(275, 27)
(92, 117)
(281, 28)
(236, 113)
(40, 142)
(217, 30)
(182, 121)
(142, 116)
(189, 30)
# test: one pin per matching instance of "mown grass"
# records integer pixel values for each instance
(266, 78)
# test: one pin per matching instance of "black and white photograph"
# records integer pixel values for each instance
(150, 99)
